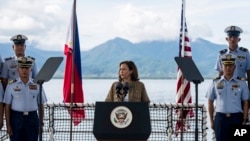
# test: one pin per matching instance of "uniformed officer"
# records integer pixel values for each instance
(22, 98)
(242, 54)
(9, 70)
(228, 92)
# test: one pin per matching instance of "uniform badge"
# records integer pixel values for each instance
(19, 37)
(13, 65)
(233, 28)
(11, 81)
(241, 58)
(17, 89)
(235, 86)
(33, 87)
(220, 85)
(241, 78)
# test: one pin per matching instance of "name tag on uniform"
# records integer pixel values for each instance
(235, 86)
(13, 65)
(16, 89)
(241, 58)
(33, 87)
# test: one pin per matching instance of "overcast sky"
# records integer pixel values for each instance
(46, 21)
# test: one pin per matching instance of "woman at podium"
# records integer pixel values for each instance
(128, 88)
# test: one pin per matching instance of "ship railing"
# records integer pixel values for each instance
(164, 117)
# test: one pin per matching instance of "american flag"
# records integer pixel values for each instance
(183, 93)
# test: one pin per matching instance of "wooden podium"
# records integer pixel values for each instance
(122, 121)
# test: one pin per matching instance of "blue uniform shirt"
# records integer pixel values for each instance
(228, 94)
(23, 97)
(9, 70)
(242, 61)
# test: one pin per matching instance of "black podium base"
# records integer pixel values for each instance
(122, 121)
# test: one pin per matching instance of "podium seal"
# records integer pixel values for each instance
(121, 117)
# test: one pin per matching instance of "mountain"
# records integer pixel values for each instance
(154, 59)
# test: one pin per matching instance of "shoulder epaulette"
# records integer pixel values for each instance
(11, 81)
(216, 78)
(31, 58)
(241, 78)
(243, 49)
(223, 51)
(9, 58)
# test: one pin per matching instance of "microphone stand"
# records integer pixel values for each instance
(40, 111)
(125, 92)
(44, 75)
(123, 98)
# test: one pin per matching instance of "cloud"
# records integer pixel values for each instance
(139, 24)
(42, 21)
(46, 21)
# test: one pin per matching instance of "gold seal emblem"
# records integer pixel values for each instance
(121, 117)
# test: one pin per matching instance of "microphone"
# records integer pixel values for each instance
(118, 88)
(125, 88)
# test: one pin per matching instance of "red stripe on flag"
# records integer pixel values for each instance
(187, 48)
(183, 94)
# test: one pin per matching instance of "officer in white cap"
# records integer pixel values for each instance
(22, 99)
(229, 93)
(9, 70)
(242, 54)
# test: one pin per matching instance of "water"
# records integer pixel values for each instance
(159, 91)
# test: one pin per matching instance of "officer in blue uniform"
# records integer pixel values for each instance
(9, 70)
(22, 98)
(242, 54)
(228, 92)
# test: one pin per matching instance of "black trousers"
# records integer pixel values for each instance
(25, 126)
(223, 123)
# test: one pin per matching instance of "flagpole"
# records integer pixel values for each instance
(196, 101)
(183, 45)
(72, 69)
(183, 55)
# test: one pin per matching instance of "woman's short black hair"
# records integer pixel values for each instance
(131, 65)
